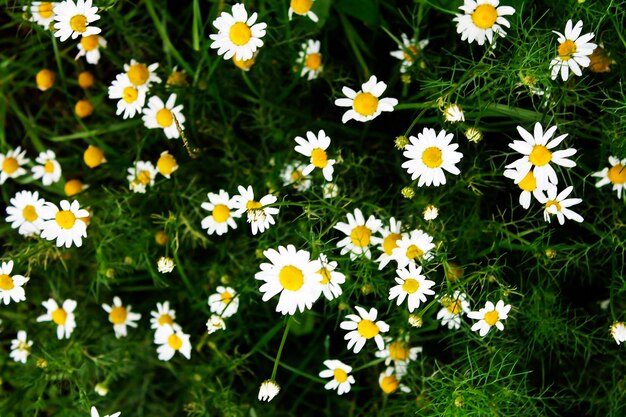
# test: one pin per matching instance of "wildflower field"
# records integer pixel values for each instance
(313, 207)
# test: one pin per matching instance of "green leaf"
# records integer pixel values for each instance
(365, 10)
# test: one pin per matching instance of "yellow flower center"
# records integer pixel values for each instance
(410, 52)
(44, 79)
(367, 329)
(166, 164)
(253, 205)
(566, 50)
(296, 175)
(45, 9)
(413, 252)
(398, 351)
(617, 174)
(226, 297)
(6, 282)
(313, 61)
(93, 156)
(243, 64)
(65, 219)
(529, 183)
(340, 375)
(240, 33)
(85, 79)
(540, 156)
(319, 158)
(485, 16)
(391, 242)
(492, 317)
(454, 307)
(73, 187)
(221, 213)
(410, 285)
(78, 23)
(365, 104)
(10, 165)
(144, 177)
(301, 6)
(138, 74)
(164, 118)
(130, 94)
(389, 384)
(291, 278)
(30, 213)
(174, 341)
(118, 315)
(325, 273)
(89, 43)
(360, 236)
(432, 157)
(553, 203)
(59, 316)
(165, 319)
(48, 167)
(83, 108)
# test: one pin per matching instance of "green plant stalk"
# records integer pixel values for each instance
(280, 349)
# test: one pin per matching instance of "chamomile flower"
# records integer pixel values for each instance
(390, 237)
(141, 175)
(65, 225)
(559, 205)
(412, 286)
(310, 59)
(339, 372)
(165, 265)
(359, 234)
(45, 79)
(49, 169)
(225, 302)
(20, 347)
(166, 165)
(62, 316)
(430, 213)
(131, 98)
(42, 13)
(291, 274)
(73, 19)
(331, 279)
(121, 317)
(260, 216)
(489, 316)
(330, 190)
(412, 247)
(237, 34)
(615, 175)
(618, 331)
(409, 51)
(89, 47)
(11, 285)
(94, 413)
(141, 75)
(399, 353)
(315, 147)
(158, 115)
(215, 323)
(365, 104)
(292, 175)
(539, 155)
(573, 51)
(221, 206)
(528, 186)
(11, 164)
(482, 19)
(363, 327)
(389, 381)
(429, 154)
(171, 339)
(302, 8)
(453, 113)
(453, 308)
(162, 316)
(24, 213)
(268, 390)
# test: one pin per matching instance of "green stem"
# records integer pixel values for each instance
(280, 349)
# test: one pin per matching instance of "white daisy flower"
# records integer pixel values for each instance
(310, 59)
(339, 372)
(221, 206)
(390, 237)
(165, 265)
(24, 213)
(237, 34)
(94, 412)
(131, 98)
(364, 327)
(215, 323)
(161, 116)
(164, 315)
(399, 352)
(20, 347)
(430, 213)
(260, 216)
(41, 13)
(409, 51)
(225, 302)
(559, 205)
(331, 278)
(389, 381)
(412, 285)
(429, 154)
(62, 316)
(359, 234)
(121, 317)
(366, 104)
(291, 274)
(89, 47)
(573, 51)
(49, 169)
(11, 164)
(528, 186)
(268, 390)
(315, 147)
(489, 316)
(141, 175)
(330, 190)
(618, 331)
(292, 175)
(67, 225)
(141, 75)
(412, 247)
(615, 175)
(453, 113)
(481, 20)
(302, 8)
(539, 155)
(73, 19)
(166, 164)
(11, 285)
(171, 339)
(453, 308)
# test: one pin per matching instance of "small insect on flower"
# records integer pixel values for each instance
(365, 104)
(24, 213)
(359, 234)
(215, 323)
(331, 278)
(66, 225)
(41, 13)
(389, 381)
(171, 339)
(131, 98)
(390, 236)
(573, 51)
(62, 316)
(559, 205)
(489, 316)
(363, 327)
(310, 59)
(94, 412)
(339, 372)
(260, 216)
(413, 247)
(158, 115)
(618, 331)
(225, 302)
(165, 265)
(237, 34)
(164, 315)
(11, 164)
(121, 317)
(409, 51)
(49, 169)
(268, 390)
(315, 148)
(221, 207)
(73, 19)
(89, 47)
(482, 19)
(302, 8)
(453, 308)
(615, 175)
(20, 347)
(412, 285)
(141, 175)
(11, 285)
